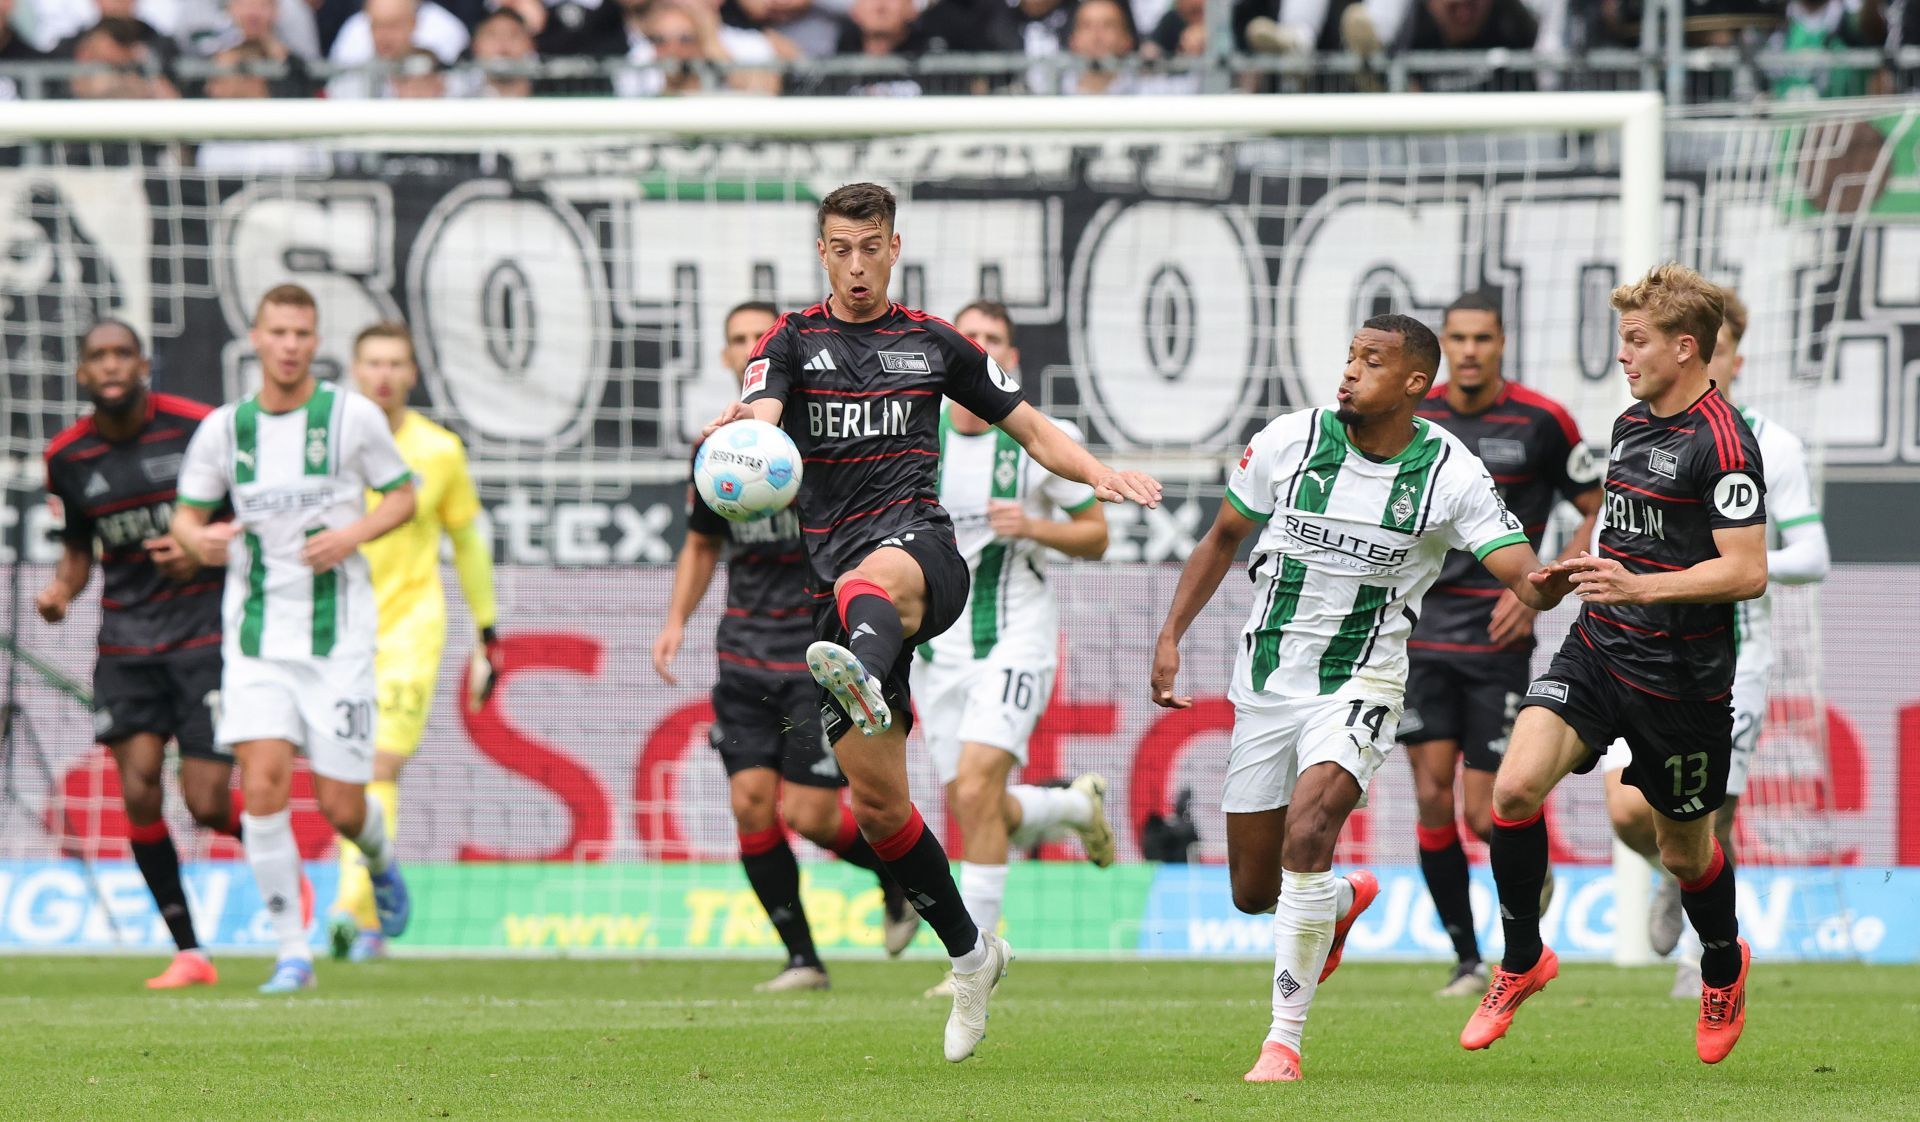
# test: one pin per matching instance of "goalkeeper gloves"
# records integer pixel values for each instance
(483, 670)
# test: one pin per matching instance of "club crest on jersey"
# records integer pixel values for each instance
(1006, 470)
(316, 446)
(1663, 462)
(1403, 506)
(904, 362)
(755, 377)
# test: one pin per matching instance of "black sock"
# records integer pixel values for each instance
(1519, 854)
(1709, 905)
(874, 624)
(775, 877)
(1445, 867)
(160, 864)
(919, 864)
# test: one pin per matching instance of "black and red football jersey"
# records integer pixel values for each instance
(120, 495)
(862, 403)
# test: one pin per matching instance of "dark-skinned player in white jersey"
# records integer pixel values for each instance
(856, 380)
(1651, 658)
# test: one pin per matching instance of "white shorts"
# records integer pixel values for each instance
(995, 701)
(1749, 717)
(324, 707)
(1276, 738)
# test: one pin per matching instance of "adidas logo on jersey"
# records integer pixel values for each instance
(97, 485)
(821, 361)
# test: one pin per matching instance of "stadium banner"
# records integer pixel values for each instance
(584, 754)
(1785, 913)
(1169, 294)
(1066, 909)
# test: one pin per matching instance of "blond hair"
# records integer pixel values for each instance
(1679, 301)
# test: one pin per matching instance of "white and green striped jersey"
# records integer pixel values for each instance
(1349, 546)
(1790, 502)
(290, 476)
(1009, 600)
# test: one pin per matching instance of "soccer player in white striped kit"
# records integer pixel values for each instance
(984, 683)
(1355, 509)
(296, 460)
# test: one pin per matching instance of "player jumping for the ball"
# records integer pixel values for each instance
(1356, 508)
(1651, 657)
(857, 381)
(766, 708)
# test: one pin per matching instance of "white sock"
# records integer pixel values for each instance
(373, 838)
(984, 888)
(1043, 808)
(973, 959)
(1302, 933)
(275, 859)
(1343, 903)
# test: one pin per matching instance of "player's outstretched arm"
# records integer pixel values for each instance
(1739, 573)
(692, 574)
(766, 409)
(1205, 567)
(330, 547)
(70, 575)
(1803, 556)
(1063, 456)
(1537, 586)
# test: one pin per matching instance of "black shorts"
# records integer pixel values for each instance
(1682, 748)
(169, 695)
(763, 719)
(947, 580)
(1470, 700)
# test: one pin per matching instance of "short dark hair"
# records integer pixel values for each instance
(286, 296)
(992, 309)
(861, 202)
(1481, 301)
(1417, 340)
(752, 306)
(139, 347)
(502, 13)
(386, 329)
(1734, 311)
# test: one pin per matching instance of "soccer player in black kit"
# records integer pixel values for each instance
(766, 707)
(1651, 657)
(856, 381)
(158, 675)
(1470, 654)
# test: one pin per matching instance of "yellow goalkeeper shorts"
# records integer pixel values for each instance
(405, 680)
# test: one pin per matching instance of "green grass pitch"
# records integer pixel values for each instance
(674, 1039)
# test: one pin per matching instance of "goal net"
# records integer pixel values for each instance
(1179, 271)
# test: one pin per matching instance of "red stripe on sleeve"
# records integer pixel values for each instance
(1551, 407)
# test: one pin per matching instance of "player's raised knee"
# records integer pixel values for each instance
(1516, 797)
(1254, 900)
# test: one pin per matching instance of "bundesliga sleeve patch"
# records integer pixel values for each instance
(755, 377)
(1736, 495)
(1000, 377)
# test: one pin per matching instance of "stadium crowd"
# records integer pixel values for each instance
(639, 48)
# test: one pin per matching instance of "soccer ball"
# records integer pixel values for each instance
(747, 470)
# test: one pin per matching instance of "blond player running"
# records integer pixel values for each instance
(297, 460)
(413, 607)
(985, 683)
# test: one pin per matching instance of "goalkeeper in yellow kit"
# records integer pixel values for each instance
(412, 606)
